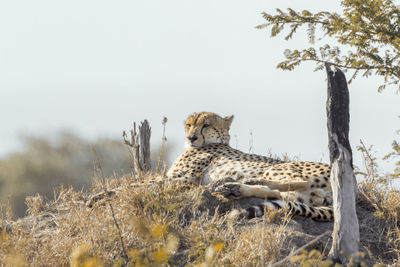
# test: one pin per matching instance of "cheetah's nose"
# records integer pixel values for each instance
(192, 138)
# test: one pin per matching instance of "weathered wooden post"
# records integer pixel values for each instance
(346, 236)
(140, 144)
(143, 141)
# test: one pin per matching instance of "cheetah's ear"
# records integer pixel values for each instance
(228, 120)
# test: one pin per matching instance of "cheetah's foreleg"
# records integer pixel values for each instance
(240, 190)
(260, 191)
(283, 185)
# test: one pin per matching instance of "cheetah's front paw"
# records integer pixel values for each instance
(229, 190)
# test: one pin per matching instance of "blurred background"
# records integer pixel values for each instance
(77, 73)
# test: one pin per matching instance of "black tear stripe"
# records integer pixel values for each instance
(202, 128)
(202, 135)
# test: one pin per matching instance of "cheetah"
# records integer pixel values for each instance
(302, 187)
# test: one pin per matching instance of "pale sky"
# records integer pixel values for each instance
(93, 67)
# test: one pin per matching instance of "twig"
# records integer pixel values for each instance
(201, 225)
(262, 239)
(369, 166)
(215, 259)
(98, 165)
(124, 254)
(9, 211)
(134, 149)
(202, 230)
(140, 147)
(251, 142)
(128, 143)
(164, 140)
(374, 203)
(298, 250)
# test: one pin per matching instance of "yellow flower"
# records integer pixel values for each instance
(134, 254)
(159, 230)
(219, 246)
(93, 262)
(79, 255)
(161, 255)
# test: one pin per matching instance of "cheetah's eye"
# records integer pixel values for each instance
(188, 125)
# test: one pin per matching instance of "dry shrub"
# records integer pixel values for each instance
(377, 188)
(256, 245)
(160, 223)
(35, 204)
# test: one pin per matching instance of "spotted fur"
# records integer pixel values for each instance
(304, 187)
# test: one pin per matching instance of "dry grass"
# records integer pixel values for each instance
(163, 223)
(378, 190)
(160, 223)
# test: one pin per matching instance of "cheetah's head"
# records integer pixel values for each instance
(206, 128)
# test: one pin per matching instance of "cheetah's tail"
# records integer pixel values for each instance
(316, 213)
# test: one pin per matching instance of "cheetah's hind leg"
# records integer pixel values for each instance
(240, 190)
